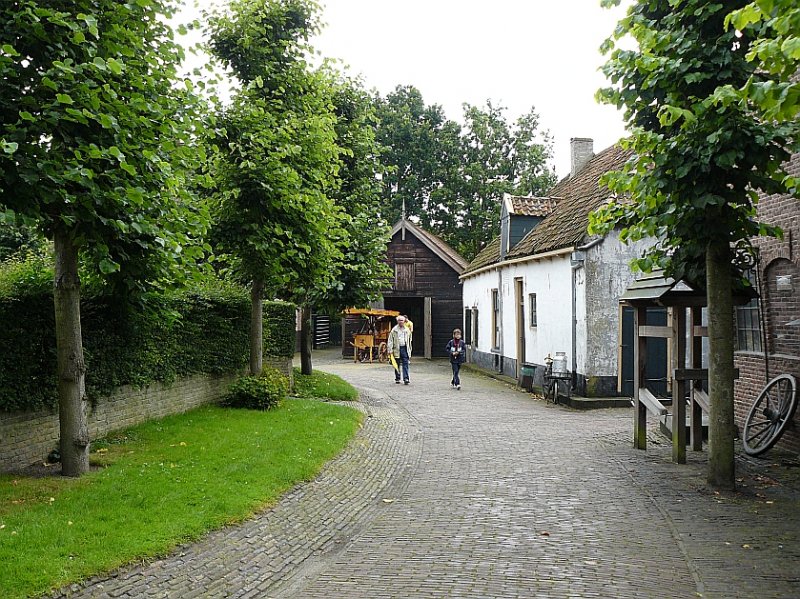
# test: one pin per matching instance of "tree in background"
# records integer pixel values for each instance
(359, 271)
(275, 157)
(411, 135)
(95, 143)
(452, 177)
(697, 166)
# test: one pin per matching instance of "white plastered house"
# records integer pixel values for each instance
(545, 286)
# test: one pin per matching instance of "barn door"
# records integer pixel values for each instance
(428, 329)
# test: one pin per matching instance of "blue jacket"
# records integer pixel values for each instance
(461, 355)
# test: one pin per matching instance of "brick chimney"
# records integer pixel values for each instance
(581, 151)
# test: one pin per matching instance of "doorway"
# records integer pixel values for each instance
(414, 308)
(656, 370)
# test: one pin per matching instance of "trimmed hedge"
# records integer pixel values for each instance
(203, 332)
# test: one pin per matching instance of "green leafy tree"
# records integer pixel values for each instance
(498, 158)
(775, 50)
(95, 144)
(409, 132)
(360, 270)
(452, 177)
(697, 165)
(276, 159)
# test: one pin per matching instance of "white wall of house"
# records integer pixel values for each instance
(550, 280)
(599, 277)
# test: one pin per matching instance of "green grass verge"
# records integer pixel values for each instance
(161, 483)
(321, 384)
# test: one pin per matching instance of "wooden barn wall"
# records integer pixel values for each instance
(434, 278)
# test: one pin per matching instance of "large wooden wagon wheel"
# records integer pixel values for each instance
(769, 415)
(383, 354)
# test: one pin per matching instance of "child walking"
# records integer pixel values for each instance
(456, 350)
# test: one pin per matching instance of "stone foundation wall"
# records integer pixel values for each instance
(27, 437)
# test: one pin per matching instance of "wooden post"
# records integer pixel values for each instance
(696, 361)
(639, 361)
(678, 385)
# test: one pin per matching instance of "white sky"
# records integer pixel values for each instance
(517, 53)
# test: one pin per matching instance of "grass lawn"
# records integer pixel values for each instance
(160, 484)
(322, 384)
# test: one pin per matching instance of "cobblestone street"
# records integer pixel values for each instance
(489, 492)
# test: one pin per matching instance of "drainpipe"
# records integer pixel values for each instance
(577, 259)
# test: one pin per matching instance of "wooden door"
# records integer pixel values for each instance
(519, 298)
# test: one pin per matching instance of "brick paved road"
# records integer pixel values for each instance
(484, 493)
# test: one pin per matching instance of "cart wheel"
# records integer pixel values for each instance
(768, 417)
(383, 354)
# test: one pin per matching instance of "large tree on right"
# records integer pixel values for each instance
(700, 158)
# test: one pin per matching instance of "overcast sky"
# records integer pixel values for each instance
(517, 53)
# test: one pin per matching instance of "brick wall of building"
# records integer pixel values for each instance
(781, 307)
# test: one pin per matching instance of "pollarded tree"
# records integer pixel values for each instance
(697, 164)
(276, 159)
(94, 147)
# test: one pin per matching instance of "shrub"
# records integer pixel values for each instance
(202, 331)
(262, 392)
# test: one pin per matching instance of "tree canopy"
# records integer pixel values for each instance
(701, 155)
(96, 141)
(452, 176)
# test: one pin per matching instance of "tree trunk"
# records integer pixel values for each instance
(721, 463)
(257, 327)
(306, 340)
(73, 408)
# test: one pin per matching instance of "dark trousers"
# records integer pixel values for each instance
(403, 364)
(456, 367)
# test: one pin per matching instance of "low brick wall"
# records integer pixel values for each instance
(27, 437)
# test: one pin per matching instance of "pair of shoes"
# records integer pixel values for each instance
(397, 382)
(406, 382)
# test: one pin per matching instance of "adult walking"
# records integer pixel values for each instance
(399, 345)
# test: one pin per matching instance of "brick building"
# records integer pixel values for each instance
(768, 329)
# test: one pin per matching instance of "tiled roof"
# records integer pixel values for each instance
(488, 255)
(530, 205)
(434, 242)
(577, 196)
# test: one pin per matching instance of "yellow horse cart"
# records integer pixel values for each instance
(369, 342)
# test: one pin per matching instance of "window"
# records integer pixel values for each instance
(468, 326)
(475, 326)
(748, 327)
(404, 276)
(532, 301)
(748, 324)
(495, 319)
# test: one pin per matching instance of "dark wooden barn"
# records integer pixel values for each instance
(426, 286)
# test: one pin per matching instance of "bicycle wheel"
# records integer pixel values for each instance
(770, 413)
(551, 389)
